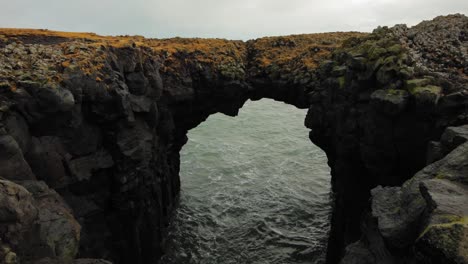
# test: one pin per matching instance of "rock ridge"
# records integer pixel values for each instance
(91, 128)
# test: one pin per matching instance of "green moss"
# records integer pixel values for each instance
(378, 63)
(339, 70)
(395, 49)
(376, 52)
(411, 84)
(426, 89)
(390, 60)
(7, 255)
(446, 239)
(396, 92)
(440, 176)
(395, 210)
(406, 72)
(456, 220)
(341, 82)
(231, 71)
(11, 258)
(451, 219)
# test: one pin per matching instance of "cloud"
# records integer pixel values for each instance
(241, 19)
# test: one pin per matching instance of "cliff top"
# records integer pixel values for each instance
(46, 56)
(53, 51)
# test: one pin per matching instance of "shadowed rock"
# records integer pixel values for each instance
(101, 120)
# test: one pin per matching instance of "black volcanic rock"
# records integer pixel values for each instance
(82, 168)
(93, 130)
(12, 162)
(17, 215)
(453, 137)
(444, 238)
(36, 223)
(427, 215)
(358, 253)
(137, 83)
(390, 102)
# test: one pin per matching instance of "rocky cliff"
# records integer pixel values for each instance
(91, 128)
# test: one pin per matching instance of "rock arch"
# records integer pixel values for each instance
(94, 126)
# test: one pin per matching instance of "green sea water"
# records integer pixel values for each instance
(255, 190)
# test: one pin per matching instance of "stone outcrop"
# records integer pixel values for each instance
(424, 220)
(91, 128)
(36, 223)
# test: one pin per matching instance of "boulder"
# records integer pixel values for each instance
(453, 167)
(434, 152)
(54, 99)
(17, 127)
(445, 200)
(454, 100)
(47, 158)
(56, 232)
(395, 222)
(83, 167)
(12, 163)
(399, 209)
(358, 253)
(18, 212)
(453, 137)
(445, 236)
(426, 97)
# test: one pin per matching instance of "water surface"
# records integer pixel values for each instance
(255, 190)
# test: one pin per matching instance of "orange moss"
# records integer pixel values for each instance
(278, 54)
(45, 32)
(66, 64)
(13, 87)
(212, 53)
(308, 50)
(88, 37)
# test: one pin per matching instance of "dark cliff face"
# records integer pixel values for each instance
(91, 128)
(379, 101)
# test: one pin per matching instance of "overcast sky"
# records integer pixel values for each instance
(232, 19)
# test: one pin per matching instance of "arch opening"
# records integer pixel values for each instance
(253, 190)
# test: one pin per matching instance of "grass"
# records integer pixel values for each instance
(296, 51)
(293, 55)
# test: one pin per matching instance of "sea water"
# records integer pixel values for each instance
(255, 190)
